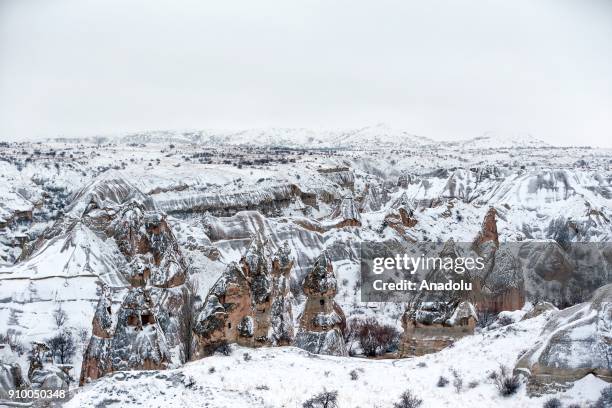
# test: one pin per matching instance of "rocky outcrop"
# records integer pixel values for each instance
(322, 319)
(500, 285)
(432, 326)
(11, 378)
(250, 304)
(268, 200)
(147, 330)
(538, 309)
(372, 198)
(401, 215)
(130, 339)
(347, 214)
(341, 175)
(488, 231)
(575, 342)
(51, 378)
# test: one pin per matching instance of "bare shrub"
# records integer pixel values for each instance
(457, 381)
(506, 382)
(351, 328)
(224, 348)
(325, 399)
(375, 338)
(60, 317)
(442, 382)
(552, 403)
(407, 400)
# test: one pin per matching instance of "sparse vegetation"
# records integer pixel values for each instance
(507, 383)
(407, 400)
(442, 382)
(60, 317)
(224, 348)
(552, 403)
(457, 381)
(325, 399)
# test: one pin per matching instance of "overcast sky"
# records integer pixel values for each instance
(443, 69)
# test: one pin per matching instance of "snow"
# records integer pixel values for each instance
(220, 381)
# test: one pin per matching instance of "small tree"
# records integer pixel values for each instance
(407, 400)
(60, 317)
(62, 346)
(326, 399)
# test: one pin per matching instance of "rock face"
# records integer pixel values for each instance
(347, 214)
(50, 378)
(322, 320)
(499, 286)
(575, 342)
(250, 304)
(432, 326)
(147, 331)
(401, 216)
(11, 378)
(488, 232)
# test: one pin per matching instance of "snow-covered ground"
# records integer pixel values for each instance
(287, 376)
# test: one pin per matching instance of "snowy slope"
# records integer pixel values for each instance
(286, 377)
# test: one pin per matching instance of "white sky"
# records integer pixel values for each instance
(444, 69)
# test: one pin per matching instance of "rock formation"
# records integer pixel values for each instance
(322, 320)
(11, 378)
(401, 215)
(538, 309)
(575, 342)
(147, 330)
(250, 304)
(432, 326)
(499, 286)
(488, 232)
(130, 339)
(347, 214)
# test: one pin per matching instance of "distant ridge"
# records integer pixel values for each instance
(376, 137)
